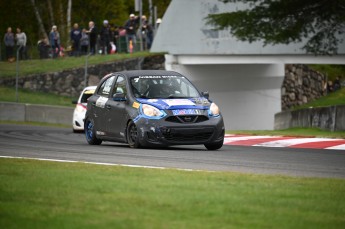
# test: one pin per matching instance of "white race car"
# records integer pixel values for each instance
(80, 109)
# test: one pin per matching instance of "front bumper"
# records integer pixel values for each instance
(168, 131)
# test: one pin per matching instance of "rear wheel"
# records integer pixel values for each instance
(132, 135)
(214, 145)
(90, 133)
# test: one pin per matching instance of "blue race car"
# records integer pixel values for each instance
(152, 108)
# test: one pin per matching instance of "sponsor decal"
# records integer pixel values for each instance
(99, 133)
(136, 105)
(89, 92)
(186, 112)
(101, 102)
(178, 102)
(155, 77)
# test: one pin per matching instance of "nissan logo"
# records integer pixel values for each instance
(187, 118)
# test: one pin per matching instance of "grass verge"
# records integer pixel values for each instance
(332, 99)
(37, 194)
(27, 96)
(296, 132)
(50, 65)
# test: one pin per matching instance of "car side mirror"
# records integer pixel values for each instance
(205, 94)
(119, 97)
(74, 101)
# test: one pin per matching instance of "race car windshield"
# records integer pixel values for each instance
(154, 87)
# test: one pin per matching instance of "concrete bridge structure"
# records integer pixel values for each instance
(243, 78)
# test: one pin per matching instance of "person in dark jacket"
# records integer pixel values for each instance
(75, 38)
(9, 44)
(84, 42)
(105, 37)
(131, 27)
(54, 39)
(92, 37)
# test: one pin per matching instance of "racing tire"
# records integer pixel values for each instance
(214, 145)
(90, 133)
(132, 135)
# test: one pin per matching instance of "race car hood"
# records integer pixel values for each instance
(172, 104)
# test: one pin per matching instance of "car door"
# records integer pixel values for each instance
(116, 115)
(99, 105)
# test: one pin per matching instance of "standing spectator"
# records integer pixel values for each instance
(146, 33)
(9, 43)
(84, 42)
(54, 39)
(336, 84)
(131, 28)
(43, 48)
(75, 38)
(21, 43)
(330, 87)
(106, 37)
(92, 37)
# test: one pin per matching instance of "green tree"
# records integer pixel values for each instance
(320, 22)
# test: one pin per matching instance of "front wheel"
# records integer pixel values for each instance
(132, 135)
(214, 145)
(90, 133)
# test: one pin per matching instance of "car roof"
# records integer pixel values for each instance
(134, 73)
(89, 88)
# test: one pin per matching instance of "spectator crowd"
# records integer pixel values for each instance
(106, 39)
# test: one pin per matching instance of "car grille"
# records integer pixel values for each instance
(187, 135)
(187, 119)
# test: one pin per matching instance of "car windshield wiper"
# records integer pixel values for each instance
(143, 97)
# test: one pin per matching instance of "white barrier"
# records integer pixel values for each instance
(36, 113)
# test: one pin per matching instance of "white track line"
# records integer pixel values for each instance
(294, 141)
(107, 164)
(241, 138)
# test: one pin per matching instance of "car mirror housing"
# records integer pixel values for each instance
(74, 101)
(205, 94)
(119, 97)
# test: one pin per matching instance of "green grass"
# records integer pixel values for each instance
(36, 194)
(26, 96)
(51, 65)
(296, 132)
(335, 98)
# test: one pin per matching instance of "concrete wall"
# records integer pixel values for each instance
(36, 113)
(248, 94)
(327, 118)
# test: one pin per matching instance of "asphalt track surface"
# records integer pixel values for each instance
(62, 144)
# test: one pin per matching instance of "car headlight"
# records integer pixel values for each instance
(80, 108)
(214, 110)
(151, 111)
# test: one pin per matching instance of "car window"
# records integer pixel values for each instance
(163, 87)
(105, 88)
(86, 95)
(120, 86)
